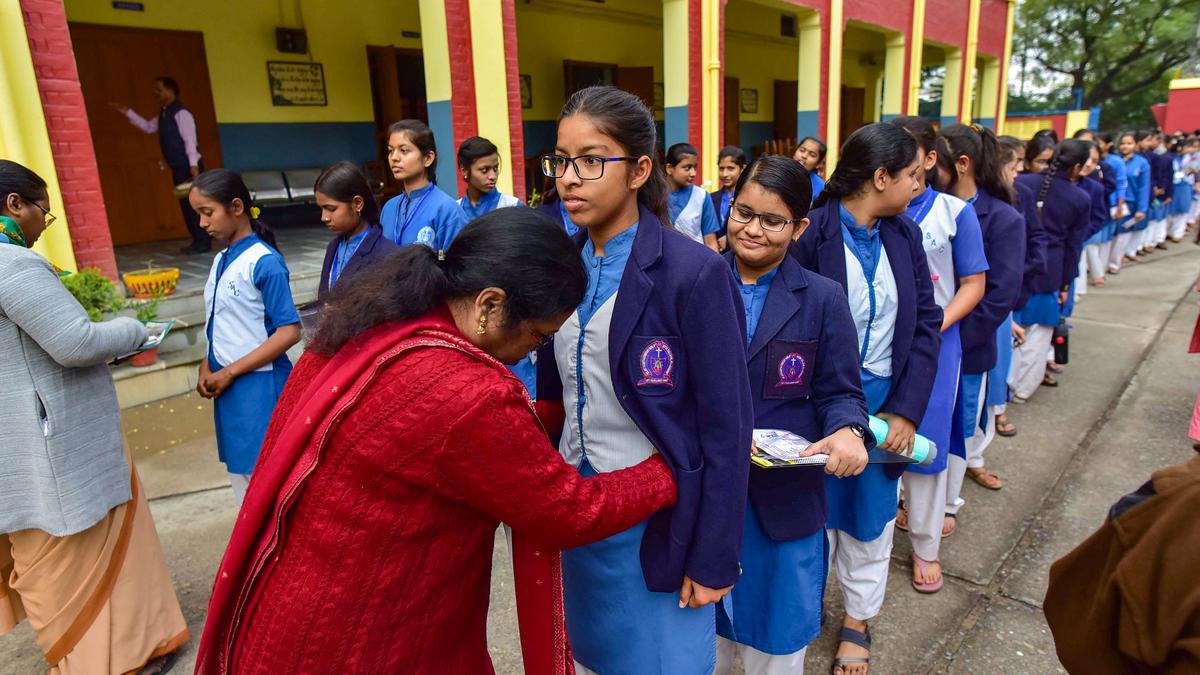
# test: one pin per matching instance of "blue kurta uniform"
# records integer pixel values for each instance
(426, 216)
(692, 213)
(487, 203)
(792, 316)
(247, 298)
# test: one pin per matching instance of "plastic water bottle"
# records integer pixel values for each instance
(924, 450)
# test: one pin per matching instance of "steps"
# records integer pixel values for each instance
(180, 354)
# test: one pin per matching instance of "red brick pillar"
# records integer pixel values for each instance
(70, 137)
(462, 82)
(515, 121)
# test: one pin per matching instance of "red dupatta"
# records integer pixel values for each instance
(296, 452)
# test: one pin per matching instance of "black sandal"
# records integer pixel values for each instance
(854, 637)
(160, 665)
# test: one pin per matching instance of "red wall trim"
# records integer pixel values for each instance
(462, 80)
(70, 137)
(695, 81)
(512, 77)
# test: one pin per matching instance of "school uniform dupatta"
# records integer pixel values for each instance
(295, 443)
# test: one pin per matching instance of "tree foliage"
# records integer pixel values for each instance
(1121, 53)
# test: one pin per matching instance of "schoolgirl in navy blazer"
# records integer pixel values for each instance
(373, 248)
(917, 335)
(1065, 217)
(804, 313)
(705, 440)
(1004, 240)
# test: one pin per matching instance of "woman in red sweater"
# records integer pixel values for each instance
(398, 445)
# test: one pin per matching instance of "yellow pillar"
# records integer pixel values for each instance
(491, 83)
(23, 135)
(833, 108)
(1002, 99)
(952, 86)
(893, 77)
(968, 63)
(710, 119)
(989, 92)
(808, 80)
(916, 57)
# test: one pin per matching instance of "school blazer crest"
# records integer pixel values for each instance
(674, 343)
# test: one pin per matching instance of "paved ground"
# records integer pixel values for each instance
(1122, 411)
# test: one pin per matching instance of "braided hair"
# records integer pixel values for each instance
(1070, 153)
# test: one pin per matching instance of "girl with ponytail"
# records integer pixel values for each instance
(860, 238)
(252, 322)
(977, 174)
(402, 439)
(1064, 211)
(643, 367)
(953, 245)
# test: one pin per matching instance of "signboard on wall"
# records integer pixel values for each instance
(296, 83)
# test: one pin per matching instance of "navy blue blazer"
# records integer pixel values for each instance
(1035, 239)
(1162, 173)
(918, 333)
(716, 200)
(1065, 215)
(373, 248)
(808, 316)
(679, 292)
(1004, 245)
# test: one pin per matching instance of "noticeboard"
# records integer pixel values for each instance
(296, 83)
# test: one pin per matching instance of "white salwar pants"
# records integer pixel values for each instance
(956, 469)
(1179, 223)
(925, 499)
(240, 483)
(1116, 250)
(1030, 359)
(756, 662)
(861, 569)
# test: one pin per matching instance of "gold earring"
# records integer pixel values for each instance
(482, 325)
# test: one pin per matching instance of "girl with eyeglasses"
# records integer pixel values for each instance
(801, 358)
(860, 238)
(642, 367)
(422, 213)
(953, 244)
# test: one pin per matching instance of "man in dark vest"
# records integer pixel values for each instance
(176, 127)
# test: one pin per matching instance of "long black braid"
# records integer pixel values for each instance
(1069, 153)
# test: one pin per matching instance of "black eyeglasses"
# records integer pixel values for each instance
(768, 221)
(587, 167)
(50, 217)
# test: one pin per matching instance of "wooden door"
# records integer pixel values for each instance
(786, 96)
(853, 109)
(732, 118)
(637, 80)
(118, 64)
(397, 93)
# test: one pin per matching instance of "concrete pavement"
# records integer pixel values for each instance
(1121, 411)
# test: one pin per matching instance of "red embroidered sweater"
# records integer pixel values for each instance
(385, 561)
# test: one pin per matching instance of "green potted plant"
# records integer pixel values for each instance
(98, 295)
(147, 310)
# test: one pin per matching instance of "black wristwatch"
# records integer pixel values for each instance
(857, 430)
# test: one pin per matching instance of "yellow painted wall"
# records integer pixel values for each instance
(1025, 128)
(757, 55)
(627, 33)
(23, 135)
(239, 38)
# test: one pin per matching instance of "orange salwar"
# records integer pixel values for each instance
(100, 601)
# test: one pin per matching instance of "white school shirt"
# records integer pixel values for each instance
(879, 327)
(603, 430)
(239, 316)
(938, 229)
(690, 220)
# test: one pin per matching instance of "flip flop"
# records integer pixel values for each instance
(854, 637)
(981, 478)
(1005, 428)
(160, 665)
(1054, 368)
(953, 525)
(1048, 381)
(923, 565)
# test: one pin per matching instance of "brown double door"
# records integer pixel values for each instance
(118, 64)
